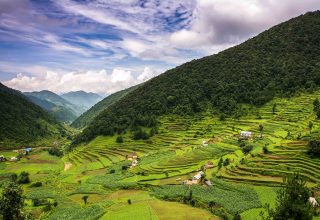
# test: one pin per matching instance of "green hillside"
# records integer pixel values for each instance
(62, 109)
(278, 62)
(60, 113)
(23, 123)
(84, 100)
(87, 117)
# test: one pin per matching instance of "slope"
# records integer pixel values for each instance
(62, 109)
(83, 100)
(22, 122)
(278, 62)
(87, 117)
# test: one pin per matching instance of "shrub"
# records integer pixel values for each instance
(23, 178)
(140, 135)
(36, 184)
(265, 150)
(247, 149)
(119, 139)
(314, 148)
(55, 152)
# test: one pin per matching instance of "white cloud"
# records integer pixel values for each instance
(90, 81)
(147, 74)
(218, 24)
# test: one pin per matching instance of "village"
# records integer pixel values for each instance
(21, 152)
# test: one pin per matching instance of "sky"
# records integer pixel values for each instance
(104, 46)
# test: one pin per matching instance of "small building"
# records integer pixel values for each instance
(2, 158)
(246, 134)
(134, 163)
(204, 143)
(198, 176)
(13, 159)
(208, 183)
(132, 156)
(208, 165)
(28, 149)
(313, 201)
(195, 180)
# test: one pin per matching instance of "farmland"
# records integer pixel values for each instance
(243, 182)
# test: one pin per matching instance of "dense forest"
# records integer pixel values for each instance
(87, 117)
(23, 122)
(278, 62)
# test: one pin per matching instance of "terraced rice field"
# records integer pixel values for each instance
(100, 170)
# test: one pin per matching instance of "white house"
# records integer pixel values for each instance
(246, 134)
(204, 143)
(195, 180)
(134, 163)
(13, 159)
(313, 201)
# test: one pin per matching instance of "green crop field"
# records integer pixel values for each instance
(100, 170)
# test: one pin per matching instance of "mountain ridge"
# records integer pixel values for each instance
(277, 62)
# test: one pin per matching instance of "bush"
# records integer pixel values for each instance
(36, 184)
(265, 150)
(119, 139)
(314, 148)
(140, 135)
(23, 178)
(55, 152)
(247, 149)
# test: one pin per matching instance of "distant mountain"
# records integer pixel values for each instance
(83, 100)
(60, 113)
(89, 115)
(58, 106)
(278, 62)
(22, 122)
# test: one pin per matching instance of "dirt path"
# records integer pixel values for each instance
(67, 166)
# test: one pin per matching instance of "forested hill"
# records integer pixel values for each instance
(87, 117)
(279, 61)
(22, 122)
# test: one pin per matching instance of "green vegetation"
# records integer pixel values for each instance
(87, 117)
(60, 108)
(24, 123)
(253, 73)
(11, 203)
(292, 201)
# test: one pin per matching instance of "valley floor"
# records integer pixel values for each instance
(243, 182)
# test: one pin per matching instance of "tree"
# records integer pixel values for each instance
(261, 129)
(292, 201)
(237, 216)
(274, 108)
(85, 199)
(119, 139)
(129, 201)
(314, 148)
(316, 105)
(310, 125)
(11, 203)
(23, 178)
(220, 163)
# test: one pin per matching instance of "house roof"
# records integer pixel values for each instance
(198, 175)
(209, 163)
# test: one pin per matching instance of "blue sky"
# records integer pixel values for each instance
(108, 45)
